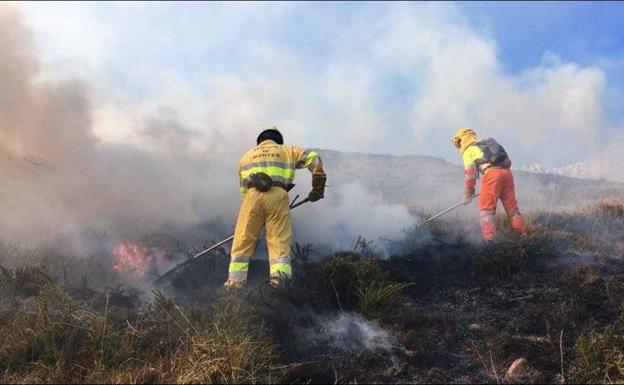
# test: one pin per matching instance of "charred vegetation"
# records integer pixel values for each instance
(541, 308)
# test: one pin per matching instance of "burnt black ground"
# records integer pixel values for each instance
(467, 303)
(469, 313)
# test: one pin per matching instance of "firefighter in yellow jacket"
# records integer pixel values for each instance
(265, 174)
(489, 158)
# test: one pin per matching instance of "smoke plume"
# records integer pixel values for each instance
(60, 178)
(349, 332)
(63, 180)
(78, 156)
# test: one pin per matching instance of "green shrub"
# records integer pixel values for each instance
(360, 285)
(599, 356)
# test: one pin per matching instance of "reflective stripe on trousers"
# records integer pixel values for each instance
(259, 210)
(280, 267)
(237, 271)
(488, 224)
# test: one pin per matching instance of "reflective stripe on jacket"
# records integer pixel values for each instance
(277, 161)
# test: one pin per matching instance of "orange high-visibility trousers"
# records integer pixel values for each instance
(498, 183)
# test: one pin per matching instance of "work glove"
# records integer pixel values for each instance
(315, 195)
(468, 194)
(318, 182)
(318, 187)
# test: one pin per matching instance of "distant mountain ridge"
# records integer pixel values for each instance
(606, 165)
(425, 181)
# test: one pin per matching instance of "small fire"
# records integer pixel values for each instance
(137, 259)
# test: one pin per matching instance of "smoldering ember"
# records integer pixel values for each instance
(309, 192)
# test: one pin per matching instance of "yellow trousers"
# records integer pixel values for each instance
(262, 210)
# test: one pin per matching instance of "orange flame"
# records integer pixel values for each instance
(137, 259)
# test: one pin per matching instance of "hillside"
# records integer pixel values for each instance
(445, 310)
(422, 181)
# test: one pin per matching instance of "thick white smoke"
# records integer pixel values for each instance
(95, 153)
(60, 178)
(64, 180)
(348, 212)
(393, 78)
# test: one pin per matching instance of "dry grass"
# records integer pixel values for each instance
(46, 335)
(58, 333)
(521, 293)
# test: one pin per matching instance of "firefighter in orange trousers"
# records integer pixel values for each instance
(488, 158)
(265, 174)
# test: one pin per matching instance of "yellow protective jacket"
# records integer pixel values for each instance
(470, 154)
(279, 162)
(269, 209)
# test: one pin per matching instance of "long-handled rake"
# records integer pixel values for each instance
(443, 212)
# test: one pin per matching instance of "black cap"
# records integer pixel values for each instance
(270, 134)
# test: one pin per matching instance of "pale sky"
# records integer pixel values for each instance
(546, 79)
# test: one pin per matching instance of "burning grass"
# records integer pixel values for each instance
(447, 311)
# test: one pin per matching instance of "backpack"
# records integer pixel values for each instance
(493, 153)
